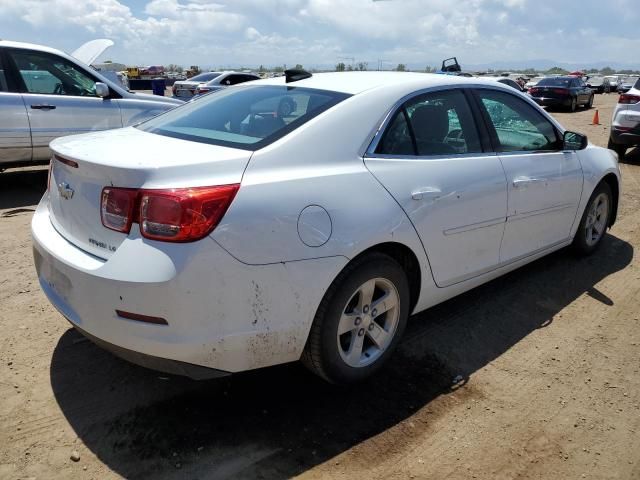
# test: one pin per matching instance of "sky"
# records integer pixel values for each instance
(324, 32)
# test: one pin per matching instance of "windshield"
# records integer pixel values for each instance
(630, 80)
(204, 77)
(637, 85)
(554, 82)
(247, 117)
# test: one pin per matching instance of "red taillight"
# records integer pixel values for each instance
(183, 215)
(201, 90)
(173, 215)
(561, 91)
(628, 99)
(533, 90)
(117, 207)
(173, 89)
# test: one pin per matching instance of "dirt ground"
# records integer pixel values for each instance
(534, 375)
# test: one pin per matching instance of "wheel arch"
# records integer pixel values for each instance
(612, 181)
(407, 259)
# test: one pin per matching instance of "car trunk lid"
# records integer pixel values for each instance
(83, 165)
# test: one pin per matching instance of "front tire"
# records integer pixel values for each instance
(360, 320)
(574, 105)
(594, 222)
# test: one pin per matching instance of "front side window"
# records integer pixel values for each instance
(52, 75)
(518, 126)
(247, 117)
(438, 123)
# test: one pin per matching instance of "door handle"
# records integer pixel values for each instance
(523, 181)
(43, 106)
(432, 192)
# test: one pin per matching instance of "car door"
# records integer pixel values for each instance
(433, 161)
(60, 98)
(15, 135)
(544, 182)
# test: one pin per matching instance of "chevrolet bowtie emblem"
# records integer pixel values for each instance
(65, 191)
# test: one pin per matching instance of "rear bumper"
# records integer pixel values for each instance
(173, 367)
(626, 137)
(221, 313)
(552, 102)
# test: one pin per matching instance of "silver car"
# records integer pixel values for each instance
(209, 82)
(45, 94)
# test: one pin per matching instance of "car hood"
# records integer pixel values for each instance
(90, 51)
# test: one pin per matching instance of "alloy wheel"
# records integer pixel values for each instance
(597, 219)
(368, 322)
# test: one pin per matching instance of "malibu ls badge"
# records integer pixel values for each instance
(65, 191)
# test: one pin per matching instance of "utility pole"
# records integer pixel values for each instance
(381, 63)
(348, 58)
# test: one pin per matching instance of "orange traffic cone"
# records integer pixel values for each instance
(596, 118)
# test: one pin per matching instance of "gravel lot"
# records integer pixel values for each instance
(534, 375)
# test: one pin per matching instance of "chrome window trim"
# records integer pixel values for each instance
(377, 135)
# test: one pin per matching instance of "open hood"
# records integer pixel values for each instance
(91, 50)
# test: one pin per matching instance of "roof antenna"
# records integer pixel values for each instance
(295, 75)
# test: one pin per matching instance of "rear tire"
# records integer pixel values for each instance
(619, 149)
(595, 221)
(350, 338)
(574, 104)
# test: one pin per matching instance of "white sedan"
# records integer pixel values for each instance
(224, 236)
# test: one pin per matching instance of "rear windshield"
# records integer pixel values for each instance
(555, 82)
(204, 77)
(248, 117)
(637, 85)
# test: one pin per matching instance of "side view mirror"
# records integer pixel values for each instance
(574, 141)
(102, 90)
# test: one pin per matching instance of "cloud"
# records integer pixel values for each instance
(225, 32)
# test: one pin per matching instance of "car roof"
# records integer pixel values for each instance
(358, 82)
(31, 46)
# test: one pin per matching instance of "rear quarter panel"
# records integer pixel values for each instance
(318, 164)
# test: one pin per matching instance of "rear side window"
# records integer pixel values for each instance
(438, 123)
(518, 126)
(247, 117)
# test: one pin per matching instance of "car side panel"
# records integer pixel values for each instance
(134, 111)
(15, 134)
(71, 115)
